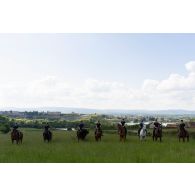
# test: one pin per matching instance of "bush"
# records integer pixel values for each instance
(4, 124)
(4, 128)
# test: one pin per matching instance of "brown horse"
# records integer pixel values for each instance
(122, 132)
(157, 133)
(98, 135)
(81, 134)
(183, 133)
(47, 136)
(17, 136)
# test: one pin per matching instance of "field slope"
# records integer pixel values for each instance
(65, 149)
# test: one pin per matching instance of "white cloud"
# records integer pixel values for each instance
(102, 86)
(178, 82)
(150, 85)
(176, 91)
(190, 66)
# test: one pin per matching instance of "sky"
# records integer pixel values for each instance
(103, 71)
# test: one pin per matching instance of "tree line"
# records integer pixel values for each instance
(7, 123)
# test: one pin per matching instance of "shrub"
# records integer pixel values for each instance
(4, 128)
(4, 124)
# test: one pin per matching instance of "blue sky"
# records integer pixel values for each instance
(83, 62)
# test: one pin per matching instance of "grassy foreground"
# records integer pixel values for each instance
(65, 148)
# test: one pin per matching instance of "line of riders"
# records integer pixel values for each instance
(122, 131)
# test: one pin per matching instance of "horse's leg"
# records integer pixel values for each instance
(187, 136)
(153, 135)
(99, 137)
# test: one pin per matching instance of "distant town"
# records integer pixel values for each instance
(168, 121)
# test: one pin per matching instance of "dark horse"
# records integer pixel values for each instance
(81, 134)
(98, 134)
(183, 133)
(17, 136)
(47, 136)
(122, 132)
(157, 133)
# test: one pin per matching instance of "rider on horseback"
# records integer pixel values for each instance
(182, 126)
(157, 131)
(98, 128)
(123, 125)
(141, 125)
(47, 128)
(81, 131)
(156, 125)
(15, 127)
(183, 133)
(81, 126)
(16, 134)
(47, 134)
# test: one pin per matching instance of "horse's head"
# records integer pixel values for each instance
(121, 129)
(119, 126)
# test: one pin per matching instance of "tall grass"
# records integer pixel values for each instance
(65, 148)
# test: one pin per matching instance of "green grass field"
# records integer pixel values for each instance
(65, 149)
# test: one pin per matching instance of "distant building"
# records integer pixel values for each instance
(191, 124)
(53, 115)
(170, 125)
(151, 126)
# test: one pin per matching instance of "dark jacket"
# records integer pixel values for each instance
(123, 122)
(182, 126)
(47, 128)
(81, 126)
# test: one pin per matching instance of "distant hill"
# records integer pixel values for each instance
(103, 111)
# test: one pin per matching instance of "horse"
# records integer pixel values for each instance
(183, 133)
(98, 134)
(81, 134)
(122, 132)
(17, 136)
(47, 136)
(143, 133)
(157, 133)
